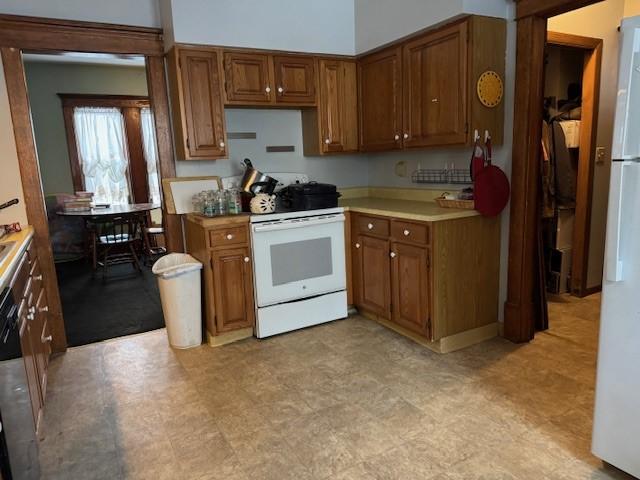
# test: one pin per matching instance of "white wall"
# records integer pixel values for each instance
(277, 127)
(325, 26)
(380, 21)
(10, 186)
(145, 13)
(600, 20)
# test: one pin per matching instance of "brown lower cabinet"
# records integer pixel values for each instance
(432, 279)
(223, 246)
(35, 339)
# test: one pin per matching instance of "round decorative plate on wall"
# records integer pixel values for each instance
(490, 89)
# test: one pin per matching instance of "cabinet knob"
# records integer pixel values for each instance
(221, 144)
(32, 309)
(370, 226)
(406, 233)
(397, 137)
(434, 100)
(46, 339)
(405, 136)
(280, 89)
(357, 245)
(38, 278)
(30, 316)
(327, 141)
(229, 237)
(43, 309)
(268, 89)
(246, 259)
(392, 254)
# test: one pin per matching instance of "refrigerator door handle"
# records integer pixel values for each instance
(614, 262)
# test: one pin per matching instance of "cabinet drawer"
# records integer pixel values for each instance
(228, 236)
(410, 232)
(372, 225)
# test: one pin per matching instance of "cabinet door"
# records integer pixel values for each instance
(435, 92)
(247, 78)
(410, 287)
(295, 79)
(41, 340)
(203, 110)
(26, 343)
(338, 106)
(372, 276)
(380, 91)
(233, 289)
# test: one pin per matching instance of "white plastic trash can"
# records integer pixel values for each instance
(179, 282)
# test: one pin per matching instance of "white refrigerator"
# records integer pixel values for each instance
(616, 429)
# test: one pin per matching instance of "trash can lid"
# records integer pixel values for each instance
(175, 264)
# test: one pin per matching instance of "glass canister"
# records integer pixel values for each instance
(221, 202)
(209, 205)
(234, 201)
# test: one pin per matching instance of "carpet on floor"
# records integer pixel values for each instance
(95, 310)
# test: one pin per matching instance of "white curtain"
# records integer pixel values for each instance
(150, 153)
(102, 149)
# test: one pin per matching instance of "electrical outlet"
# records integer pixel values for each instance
(401, 169)
(601, 153)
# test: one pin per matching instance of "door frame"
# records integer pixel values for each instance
(18, 33)
(520, 306)
(592, 48)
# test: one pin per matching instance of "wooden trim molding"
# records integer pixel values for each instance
(89, 100)
(31, 33)
(570, 40)
(549, 8)
(32, 187)
(72, 148)
(519, 313)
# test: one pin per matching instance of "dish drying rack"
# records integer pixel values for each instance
(445, 176)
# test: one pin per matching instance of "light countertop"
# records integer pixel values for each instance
(10, 261)
(406, 209)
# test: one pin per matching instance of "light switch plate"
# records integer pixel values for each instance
(601, 153)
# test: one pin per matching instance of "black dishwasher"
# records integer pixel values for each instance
(18, 442)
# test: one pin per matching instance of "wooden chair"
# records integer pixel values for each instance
(151, 248)
(114, 239)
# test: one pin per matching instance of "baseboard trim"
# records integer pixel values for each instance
(229, 337)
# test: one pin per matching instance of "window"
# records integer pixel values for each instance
(112, 147)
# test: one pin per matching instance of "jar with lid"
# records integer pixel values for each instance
(221, 202)
(234, 201)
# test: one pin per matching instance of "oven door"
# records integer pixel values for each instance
(298, 258)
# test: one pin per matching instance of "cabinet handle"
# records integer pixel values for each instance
(32, 309)
(434, 100)
(221, 144)
(405, 136)
(280, 90)
(46, 339)
(38, 278)
(327, 141)
(268, 89)
(406, 233)
(30, 316)
(43, 309)
(392, 254)
(396, 137)
(246, 259)
(370, 226)
(357, 245)
(229, 237)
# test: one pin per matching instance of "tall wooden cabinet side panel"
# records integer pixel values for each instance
(487, 40)
(465, 277)
(380, 100)
(435, 93)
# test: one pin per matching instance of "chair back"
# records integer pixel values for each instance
(114, 229)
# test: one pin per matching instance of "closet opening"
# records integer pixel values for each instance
(569, 154)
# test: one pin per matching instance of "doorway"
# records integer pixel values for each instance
(18, 34)
(93, 129)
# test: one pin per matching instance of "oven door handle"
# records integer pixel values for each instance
(289, 224)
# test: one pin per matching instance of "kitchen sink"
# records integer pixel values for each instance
(5, 248)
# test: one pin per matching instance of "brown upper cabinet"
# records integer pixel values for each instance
(422, 92)
(380, 99)
(194, 78)
(255, 79)
(248, 78)
(294, 79)
(333, 126)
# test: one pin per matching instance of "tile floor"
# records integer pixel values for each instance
(349, 400)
